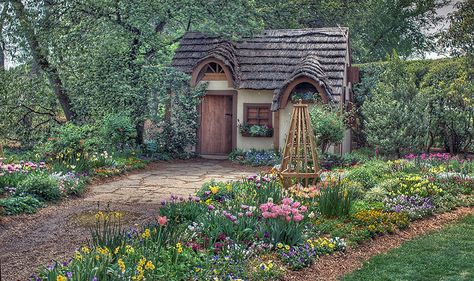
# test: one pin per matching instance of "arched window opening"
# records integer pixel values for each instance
(306, 92)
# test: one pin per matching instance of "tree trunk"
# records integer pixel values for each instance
(39, 56)
(2, 42)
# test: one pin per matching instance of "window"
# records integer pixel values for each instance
(214, 72)
(257, 114)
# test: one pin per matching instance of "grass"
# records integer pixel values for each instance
(445, 255)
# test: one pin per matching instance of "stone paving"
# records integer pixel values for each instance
(181, 178)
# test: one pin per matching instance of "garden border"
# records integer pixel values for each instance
(337, 265)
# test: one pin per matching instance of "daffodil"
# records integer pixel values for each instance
(214, 189)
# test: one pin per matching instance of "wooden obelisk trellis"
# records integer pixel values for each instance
(299, 163)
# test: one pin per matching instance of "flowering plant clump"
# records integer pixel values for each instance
(415, 185)
(288, 210)
(431, 156)
(301, 256)
(415, 206)
(299, 191)
(378, 222)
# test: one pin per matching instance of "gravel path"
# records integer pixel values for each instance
(30, 241)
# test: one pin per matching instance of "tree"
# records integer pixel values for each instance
(39, 55)
(104, 57)
(459, 37)
(393, 119)
(376, 26)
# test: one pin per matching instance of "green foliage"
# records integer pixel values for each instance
(179, 130)
(368, 174)
(459, 38)
(393, 117)
(19, 205)
(328, 126)
(443, 91)
(376, 26)
(39, 185)
(118, 131)
(108, 231)
(71, 146)
(335, 200)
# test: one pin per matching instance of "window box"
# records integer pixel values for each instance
(257, 120)
(261, 131)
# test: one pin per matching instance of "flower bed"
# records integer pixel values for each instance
(26, 186)
(252, 229)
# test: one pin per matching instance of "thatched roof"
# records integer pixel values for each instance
(273, 59)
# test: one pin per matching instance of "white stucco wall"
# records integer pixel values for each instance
(265, 96)
(253, 96)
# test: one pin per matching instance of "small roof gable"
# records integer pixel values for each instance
(274, 58)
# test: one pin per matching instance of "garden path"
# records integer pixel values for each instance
(181, 179)
(30, 241)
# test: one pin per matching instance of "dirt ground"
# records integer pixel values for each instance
(30, 241)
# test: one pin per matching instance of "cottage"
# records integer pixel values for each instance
(252, 83)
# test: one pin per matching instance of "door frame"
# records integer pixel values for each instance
(233, 94)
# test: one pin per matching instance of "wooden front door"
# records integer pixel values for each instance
(216, 124)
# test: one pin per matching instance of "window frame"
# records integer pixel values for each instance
(258, 105)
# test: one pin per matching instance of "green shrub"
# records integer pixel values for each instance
(70, 147)
(118, 131)
(360, 156)
(39, 185)
(20, 205)
(328, 126)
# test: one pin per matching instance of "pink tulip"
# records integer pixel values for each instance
(162, 220)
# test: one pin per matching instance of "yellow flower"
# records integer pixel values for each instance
(146, 234)
(103, 251)
(279, 245)
(208, 201)
(142, 261)
(117, 250)
(129, 249)
(97, 257)
(287, 247)
(179, 248)
(229, 187)
(77, 256)
(121, 264)
(149, 265)
(214, 189)
(85, 249)
(61, 278)
(99, 215)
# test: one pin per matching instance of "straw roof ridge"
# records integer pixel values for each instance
(274, 58)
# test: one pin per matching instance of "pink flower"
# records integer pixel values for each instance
(296, 204)
(211, 207)
(303, 209)
(162, 220)
(248, 214)
(297, 217)
(286, 201)
(267, 215)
